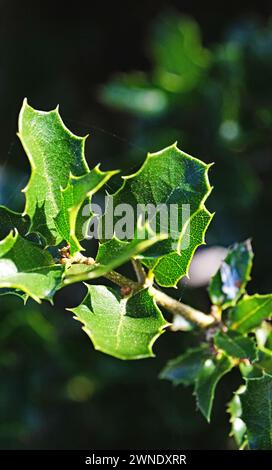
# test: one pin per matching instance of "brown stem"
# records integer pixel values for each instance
(139, 270)
(122, 281)
(173, 306)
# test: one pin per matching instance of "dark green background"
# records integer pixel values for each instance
(55, 390)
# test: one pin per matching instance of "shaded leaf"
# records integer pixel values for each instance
(123, 328)
(257, 412)
(250, 312)
(10, 220)
(229, 283)
(213, 369)
(184, 369)
(236, 345)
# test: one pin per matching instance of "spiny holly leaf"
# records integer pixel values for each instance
(27, 268)
(250, 312)
(236, 345)
(229, 283)
(213, 369)
(57, 162)
(72, 198)
(184, 369)
(257, 412)
(238, 427)
(10, 220)
(174, 180)
(123, 328)
(114, 253)
(169, 269)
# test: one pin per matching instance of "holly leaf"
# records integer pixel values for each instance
(125, 328)
(169, 269)
(250, 312)
(257, 412)
(59, 175)
(72, 198)
(229, 283)
(213, 369)
(176, 185)
(25, 267)
(236, 345)
(238, 426)
(184, 369)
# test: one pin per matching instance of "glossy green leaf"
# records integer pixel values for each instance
(250, 312)
(236, 345)
(27, 268)
(229, 283)
(169, 269)
(257, 412)
(213, 369)
(125, 328)
(72, 198)
(184, 369)
(171, 179)
(59, 175)
(238, 427)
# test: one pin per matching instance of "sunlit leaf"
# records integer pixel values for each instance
(177, 184)
(250, 312)
(238, 427)
(60, 178)
(24, 266)
(125, 328)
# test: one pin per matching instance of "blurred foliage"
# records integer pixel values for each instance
(216, 101)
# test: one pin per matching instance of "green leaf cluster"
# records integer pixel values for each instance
(41, 252)
(242, 339)
(60, 185)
